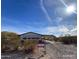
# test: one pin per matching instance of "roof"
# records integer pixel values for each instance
(30, 35)
(34, 35)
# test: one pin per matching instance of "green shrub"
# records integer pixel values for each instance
(68, 39)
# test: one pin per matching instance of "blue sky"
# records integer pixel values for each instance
(40, 16)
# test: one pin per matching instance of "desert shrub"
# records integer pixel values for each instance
(49, 37)
(29, 43)
(9, 40)
(68, 39)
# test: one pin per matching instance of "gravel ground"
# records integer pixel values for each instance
(53, 51)
(13, 56)
(61, 51)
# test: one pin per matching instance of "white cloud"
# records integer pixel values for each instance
(73, 31)
(16, 29)
(50, 30)
(45, 11)
(10, 29)
(63, 29)
(58, 30)
(59, 19)
(55, 30)
(50, 3)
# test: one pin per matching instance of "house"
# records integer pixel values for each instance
(30, 35)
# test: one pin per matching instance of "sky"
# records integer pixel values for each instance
(41, 16)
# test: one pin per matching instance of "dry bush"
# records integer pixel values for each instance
(68, 39)
(9, 40)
